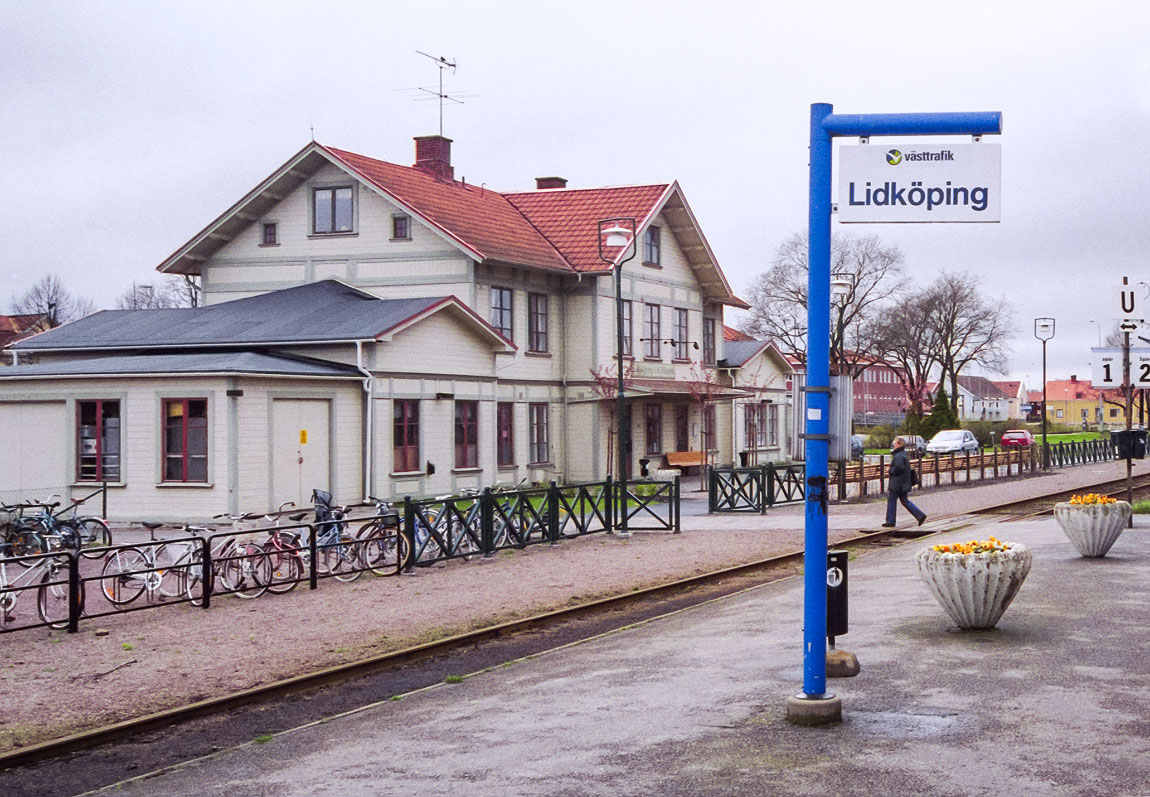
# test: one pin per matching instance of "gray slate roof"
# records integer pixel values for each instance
(739, 351)
(243, 362)
(315, 312)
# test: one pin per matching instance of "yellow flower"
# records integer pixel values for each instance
(992, 545)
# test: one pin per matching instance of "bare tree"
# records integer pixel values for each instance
(779, 298)
(49, 298)
(704, 389)
(967, 328)
(908, 346)
(174, 292)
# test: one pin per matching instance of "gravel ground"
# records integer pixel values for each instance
(53, 683)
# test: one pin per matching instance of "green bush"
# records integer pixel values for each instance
(881, 436)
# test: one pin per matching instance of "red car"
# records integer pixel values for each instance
(1017, 438)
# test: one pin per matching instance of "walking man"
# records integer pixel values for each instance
(901, 480)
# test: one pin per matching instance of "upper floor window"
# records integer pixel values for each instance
(709, 341)
(651, 246)
(270, 234)
(333, 210)
(651, 330)
(185, 440)
(680, 334)
(98, 438)
(626, 327)
(537, 322)
(501, 314)
(401, 228)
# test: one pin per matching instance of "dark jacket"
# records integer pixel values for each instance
(900, 472)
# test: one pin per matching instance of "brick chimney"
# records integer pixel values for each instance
(433, 155)
(542, 183)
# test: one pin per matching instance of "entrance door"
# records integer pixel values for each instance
(33, 442)
(627, 440)
(300, 450)
(682, 443)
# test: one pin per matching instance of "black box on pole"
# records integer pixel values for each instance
(836, 593)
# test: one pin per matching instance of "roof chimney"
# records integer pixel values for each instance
(542, 183)
(1073, 378)
(433, 155)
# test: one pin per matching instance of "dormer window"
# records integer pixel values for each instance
(333, 210)
(270, 234)
(651, 246)
(401, 228)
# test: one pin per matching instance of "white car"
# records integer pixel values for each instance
(956, 440)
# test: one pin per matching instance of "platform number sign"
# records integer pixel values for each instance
(1107, 368)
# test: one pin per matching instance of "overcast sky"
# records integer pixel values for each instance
(128, 126)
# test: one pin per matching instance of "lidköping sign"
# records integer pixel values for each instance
(919, 183)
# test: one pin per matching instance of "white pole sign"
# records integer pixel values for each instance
(1106, 368)
(920, 183)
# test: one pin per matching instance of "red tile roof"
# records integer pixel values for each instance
(482, 220)
(730, 333)
(568, 217)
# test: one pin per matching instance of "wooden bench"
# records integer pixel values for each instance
(684, 459)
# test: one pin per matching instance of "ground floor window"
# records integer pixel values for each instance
(467, 434)
(709, 440)
(98, 441)
(185, 440)
(755, 418)
(654, 428)
(505, 433)
(405, 448)
(539, 441)
(772, 424)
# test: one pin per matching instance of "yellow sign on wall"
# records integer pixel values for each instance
(303, 437)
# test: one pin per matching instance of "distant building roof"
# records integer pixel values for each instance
(184, 364)
(981, 387)
(14, 327)
(317, 312)
(730, 333)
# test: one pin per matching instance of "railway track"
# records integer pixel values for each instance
(93, 758)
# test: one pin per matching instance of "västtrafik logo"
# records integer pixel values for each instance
(894, 157)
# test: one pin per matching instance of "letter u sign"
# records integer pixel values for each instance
(1128, 300)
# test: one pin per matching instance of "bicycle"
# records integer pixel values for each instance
(381, 547)
(52, 595)
(73, 532)
(282, 548)
(246, 571)
(337, 552)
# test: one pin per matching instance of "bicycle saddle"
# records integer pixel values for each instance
(297, 517)
(150, 524)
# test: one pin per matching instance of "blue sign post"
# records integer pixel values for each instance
(814, 705)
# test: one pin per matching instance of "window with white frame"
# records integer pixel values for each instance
(651, 246)
(333, 210)
(680, 333)
(98, 439)
(651, 330)
(501, 311)
(709, 341)
(537, 322)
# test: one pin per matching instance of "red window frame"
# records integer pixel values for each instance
(505, 433)
(184, 436)
(94, 466)
(405, 436)
(467, 434)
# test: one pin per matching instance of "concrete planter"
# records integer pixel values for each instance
(974, 588)
(1092, 528)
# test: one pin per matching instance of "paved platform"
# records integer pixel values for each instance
(1055, 701)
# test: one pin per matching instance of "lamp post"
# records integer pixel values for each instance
(1044, 331)
(615, 236)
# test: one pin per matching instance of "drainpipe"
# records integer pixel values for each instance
(369, 423)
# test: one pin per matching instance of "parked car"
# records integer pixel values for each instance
(858, 443)
(1017, 438)
(915, 444)
(952, 440)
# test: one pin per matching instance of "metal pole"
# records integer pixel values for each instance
(1045, 450)
(818, 404)
(1128, 392)
(621, 479)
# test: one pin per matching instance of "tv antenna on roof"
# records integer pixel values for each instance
(442, 63)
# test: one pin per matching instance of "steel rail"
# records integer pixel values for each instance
(328, 676)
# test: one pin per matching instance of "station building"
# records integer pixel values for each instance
(384, 330)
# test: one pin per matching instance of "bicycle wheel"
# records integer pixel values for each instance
(171, 576)
(94, 533)
(194, 578)
(346, 562)
(124, 576)
(285, 568)
(382, 549)
(52, 597)
(30, 539)
(426, 546)
(246, 570)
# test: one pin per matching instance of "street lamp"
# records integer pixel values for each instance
(1044, 331)
(842, 287)
(615, 236)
